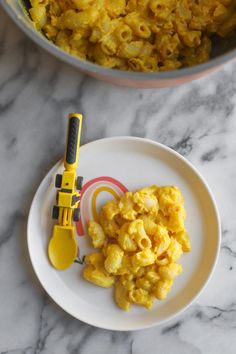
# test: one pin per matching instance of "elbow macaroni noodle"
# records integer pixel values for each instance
(139, 239)
(138, 35)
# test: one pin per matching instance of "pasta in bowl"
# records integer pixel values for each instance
(135, 35)
(222, 50)
(141, 237)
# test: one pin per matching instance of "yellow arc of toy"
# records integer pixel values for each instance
(94, 199)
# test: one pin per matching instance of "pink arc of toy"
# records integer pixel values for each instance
(92, 188)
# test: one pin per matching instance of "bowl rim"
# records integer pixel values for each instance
(87, 66)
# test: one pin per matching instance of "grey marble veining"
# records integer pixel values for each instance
(198, 120)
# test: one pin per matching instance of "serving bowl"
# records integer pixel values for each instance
(224, 50)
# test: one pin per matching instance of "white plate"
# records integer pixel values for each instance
(135, 163)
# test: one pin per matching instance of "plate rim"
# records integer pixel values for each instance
(218, 224)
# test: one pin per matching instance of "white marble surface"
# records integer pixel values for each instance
(198, 120)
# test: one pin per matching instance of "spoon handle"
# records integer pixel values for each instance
(73, 141)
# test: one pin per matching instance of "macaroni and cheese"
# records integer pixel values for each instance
(139, 240)
(138, 35)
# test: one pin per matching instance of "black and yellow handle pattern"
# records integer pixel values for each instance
(73, 141)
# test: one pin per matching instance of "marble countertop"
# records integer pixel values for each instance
(198, 120)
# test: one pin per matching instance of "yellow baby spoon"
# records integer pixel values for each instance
(62, 248)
